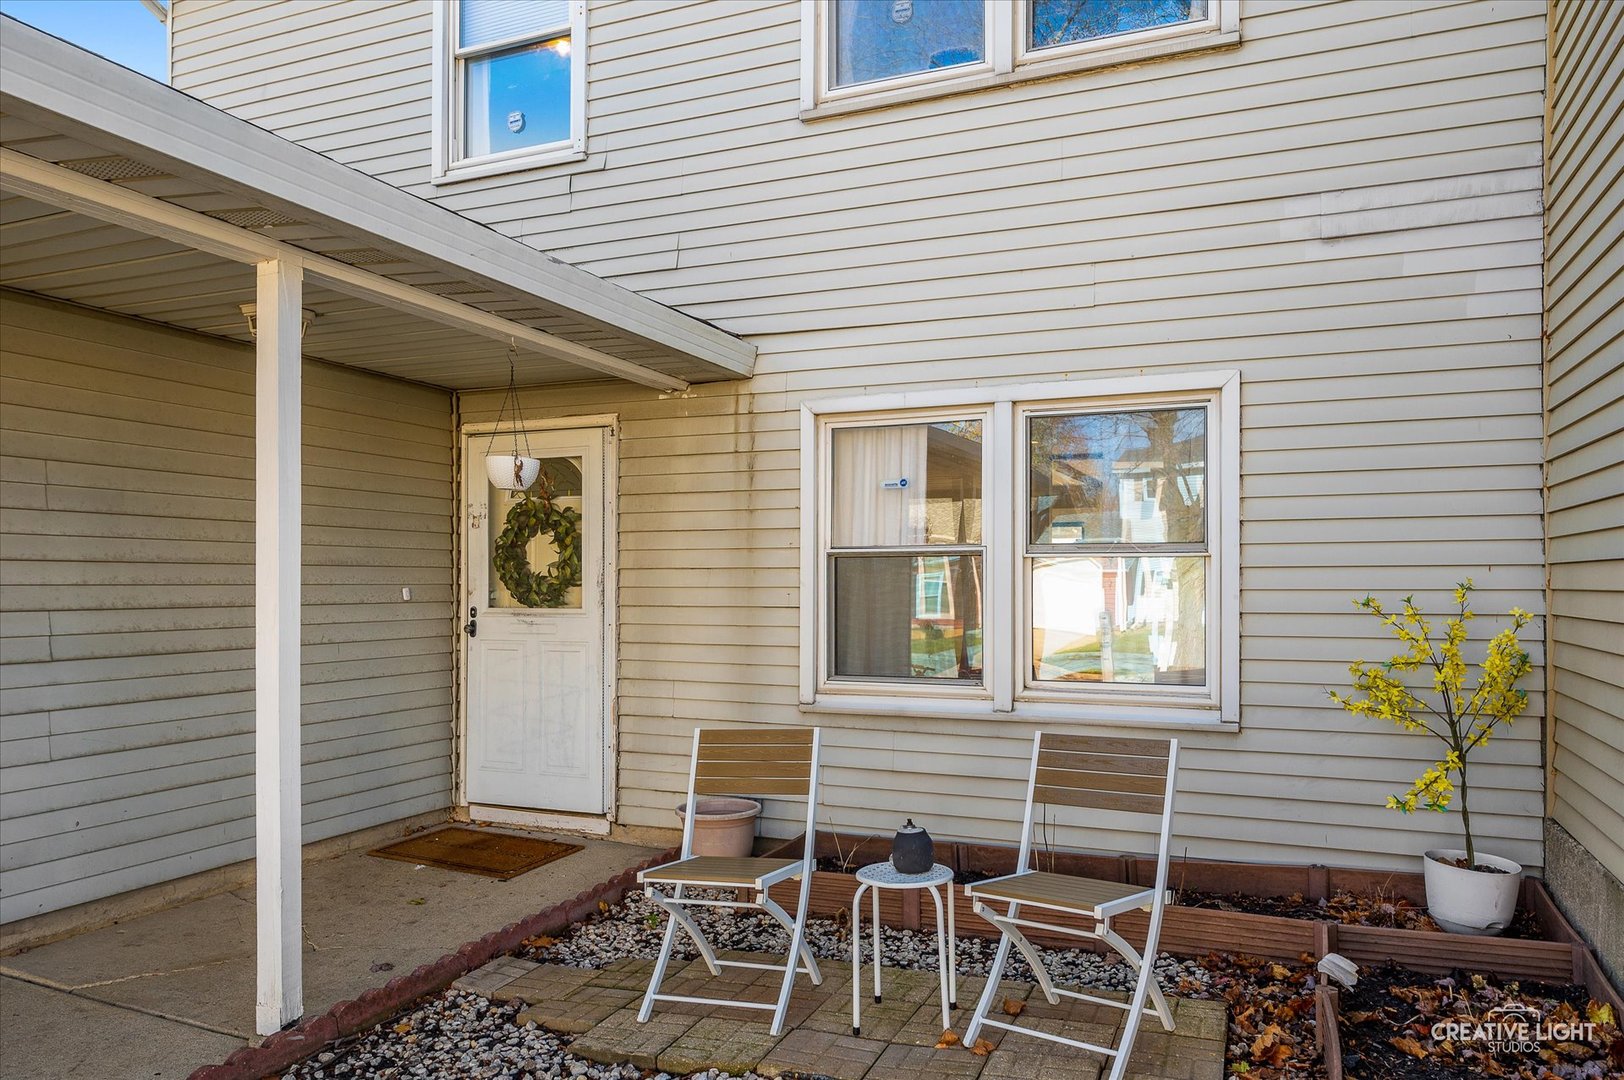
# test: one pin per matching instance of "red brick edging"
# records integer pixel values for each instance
(280, 1051)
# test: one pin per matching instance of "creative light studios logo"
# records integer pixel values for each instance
(1514, 1029)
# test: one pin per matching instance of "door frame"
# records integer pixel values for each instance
(608, 424)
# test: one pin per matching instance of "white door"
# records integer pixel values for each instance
(536, 688)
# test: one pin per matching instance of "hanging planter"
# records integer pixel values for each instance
(513, 471)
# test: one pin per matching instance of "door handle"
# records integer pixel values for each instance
(471, 627)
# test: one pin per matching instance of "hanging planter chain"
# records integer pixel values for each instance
(512, 394)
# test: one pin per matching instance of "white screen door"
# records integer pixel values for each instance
(536, 690)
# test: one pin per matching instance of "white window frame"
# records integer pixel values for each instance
(1006, 649)
(1008, 59)
(447, 111)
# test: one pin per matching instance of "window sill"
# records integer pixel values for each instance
(1162, 717)
(1026, 71)
(475, 170)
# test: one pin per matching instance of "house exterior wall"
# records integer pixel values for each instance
(1584, 370)
(127, 554)
(1346, 209)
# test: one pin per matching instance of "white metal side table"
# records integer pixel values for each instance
(883, 875)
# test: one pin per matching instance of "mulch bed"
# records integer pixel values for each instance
(1349, 909)
(1387, 1028)
(1271, 1016)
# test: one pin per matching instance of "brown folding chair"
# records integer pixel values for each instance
(1127, 775)
(780, 762)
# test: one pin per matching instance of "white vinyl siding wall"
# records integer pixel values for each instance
(1346, 209)
(1585, 369)
(126, 745)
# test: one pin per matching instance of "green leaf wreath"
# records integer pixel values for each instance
(527, 519)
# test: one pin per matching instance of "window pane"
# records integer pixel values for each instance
(484, 22)
(907, 485)
(561, 476)
(518, 98)
(1061, 22)
(1120, 620)
(906, 617)
(880, 39)
(1128, 477)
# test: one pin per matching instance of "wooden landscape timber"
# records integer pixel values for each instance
(1563, 957)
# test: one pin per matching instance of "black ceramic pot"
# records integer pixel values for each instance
(912, 851)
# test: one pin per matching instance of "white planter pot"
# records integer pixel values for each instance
(1471, 901)
(723, 825)
(500, 468)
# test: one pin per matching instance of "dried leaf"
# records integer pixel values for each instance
(540, 941)
(1409, 1046)
(401, 1029)
(1279, 971)
(982, 1048)
(1013, 1007)
(1600, 1012)
(1276, 1056)
(948, 1039)
(603, 906)
(1269, 1037)
(419, 901)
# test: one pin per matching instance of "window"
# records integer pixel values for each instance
(510, 85)
(863, 53)
(906, 551)
(1057, 552)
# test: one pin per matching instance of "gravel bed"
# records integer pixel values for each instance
(463, 1035)
(636, 926)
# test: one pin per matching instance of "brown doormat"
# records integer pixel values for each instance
(476, 851)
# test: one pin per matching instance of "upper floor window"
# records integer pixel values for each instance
(510, 85)
(875, 52)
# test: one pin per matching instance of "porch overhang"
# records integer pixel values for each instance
(123, 194)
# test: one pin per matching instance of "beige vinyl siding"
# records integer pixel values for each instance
(1346, 208)
(126, 745)
(1585, 464)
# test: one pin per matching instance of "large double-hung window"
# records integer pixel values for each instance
(1055, 552)
(873, 52)
(511, 85)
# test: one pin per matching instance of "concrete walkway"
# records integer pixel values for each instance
(161, 994)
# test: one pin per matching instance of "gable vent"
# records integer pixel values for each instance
(113, 168)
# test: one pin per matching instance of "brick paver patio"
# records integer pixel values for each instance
(898, 1036)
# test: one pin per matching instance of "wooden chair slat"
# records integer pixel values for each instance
(1092, 781)
(760, 769)
(724, 785)
(1097, 744)
(1105, 763)
(1099, 800)
(774, 752)
(755, 736)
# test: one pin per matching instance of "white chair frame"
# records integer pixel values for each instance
(1011, 922)
(675, 902)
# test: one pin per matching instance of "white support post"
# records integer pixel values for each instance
(277, 517)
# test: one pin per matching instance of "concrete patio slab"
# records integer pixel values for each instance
(366, 921)
(50, 1035)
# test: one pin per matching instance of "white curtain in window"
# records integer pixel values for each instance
(867, 513)
(487, 21)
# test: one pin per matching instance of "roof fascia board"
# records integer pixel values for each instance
(79, 94)
(63, 188)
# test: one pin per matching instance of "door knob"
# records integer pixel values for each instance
(471, 627)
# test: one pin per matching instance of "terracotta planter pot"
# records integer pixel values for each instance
(723, 825)
(1466, 901)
